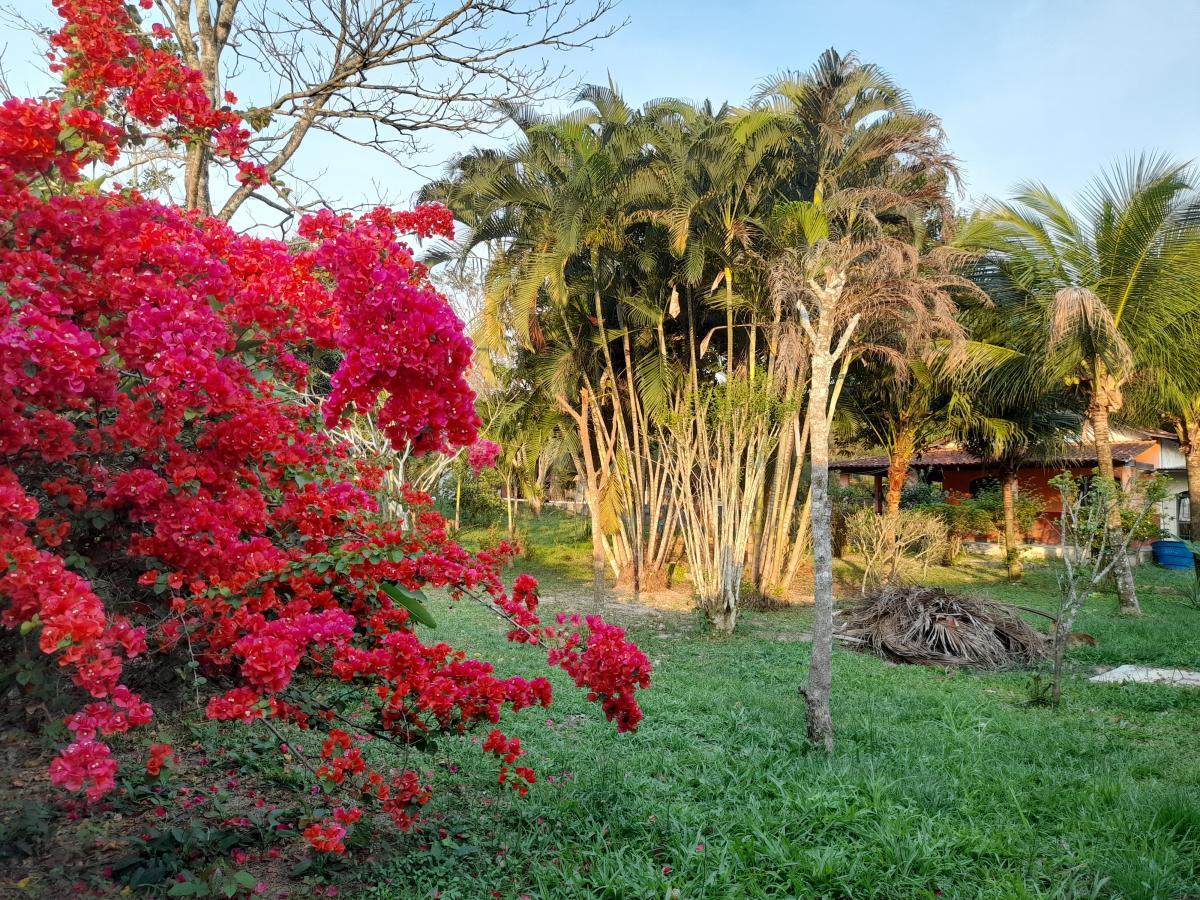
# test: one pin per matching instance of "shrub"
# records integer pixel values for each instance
(920, 494)
(167, 489)
(885, 542)
(1026, 509)
(846, 501)
(962, 520)
(480, 501)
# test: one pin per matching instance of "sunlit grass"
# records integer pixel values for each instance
(943, 783)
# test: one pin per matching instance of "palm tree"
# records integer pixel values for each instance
(1017, 417)
(848, 129)
(851, 157)
(1160, 397)
(1110, 282)
(573, 275)
(709, 184)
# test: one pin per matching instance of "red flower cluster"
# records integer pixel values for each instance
(483, 455)
(86, 766)
(326, 836)
(610, 667)
(103, 53)
(161, 756)
(509, 749)
(155, 437)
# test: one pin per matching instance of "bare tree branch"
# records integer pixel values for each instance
(376, 73)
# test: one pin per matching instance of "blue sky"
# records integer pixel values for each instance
(1051, 90)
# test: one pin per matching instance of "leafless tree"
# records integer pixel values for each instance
(377, 73)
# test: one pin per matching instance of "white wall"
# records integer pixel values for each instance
(1170, 457)
(1168, 507)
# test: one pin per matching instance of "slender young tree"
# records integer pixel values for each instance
(851, 297)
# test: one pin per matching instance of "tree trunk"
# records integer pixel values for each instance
(729, 324)
(508, 506)
(899, 463)
(722, 611)
(1190, 445)
(818, 717)
(1060, 643)
(586, 466)
(1012, 551)
(1102, 391)
(195, 178)
(458, 502)
(899, 460)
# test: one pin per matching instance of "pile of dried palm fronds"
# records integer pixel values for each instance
(933, 627)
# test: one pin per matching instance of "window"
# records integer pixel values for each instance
(1183, 516)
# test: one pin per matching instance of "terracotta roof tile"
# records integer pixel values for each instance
(1122, 451)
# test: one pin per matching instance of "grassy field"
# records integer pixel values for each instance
(944, 783)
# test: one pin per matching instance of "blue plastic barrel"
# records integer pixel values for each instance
(1172, 554)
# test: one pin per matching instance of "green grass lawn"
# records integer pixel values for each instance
(943, 783)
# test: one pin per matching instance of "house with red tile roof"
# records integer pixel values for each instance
(960, 473)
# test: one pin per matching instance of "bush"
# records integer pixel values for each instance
(845, 501)
(962, 520)
(919, 494)
(886, 542)
(168, 484)
(480, 501)
(1026, 509)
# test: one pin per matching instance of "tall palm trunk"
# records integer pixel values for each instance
(509, 504)
(819, 718)
(636, 498)
(1189, 443)
(729, 323)
(1104, 390)
(899, 464)
(458, 502)
(586, 466)
(1012, 552)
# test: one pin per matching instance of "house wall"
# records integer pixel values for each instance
(1168, 508)
(1171, 457)
(1031, 481)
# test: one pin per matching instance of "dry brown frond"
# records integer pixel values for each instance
(931, 626)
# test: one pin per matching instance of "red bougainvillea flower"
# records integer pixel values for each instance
(161, 756)
(326, 837)
(482, 455)
(85, 766)
(167, 482)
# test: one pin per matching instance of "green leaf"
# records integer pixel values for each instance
(410, 600)
(189, 889)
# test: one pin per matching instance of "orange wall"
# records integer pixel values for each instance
(1030, 482)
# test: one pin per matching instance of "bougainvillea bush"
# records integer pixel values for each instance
(166, 490)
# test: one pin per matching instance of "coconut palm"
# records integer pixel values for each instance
(1109, 281)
